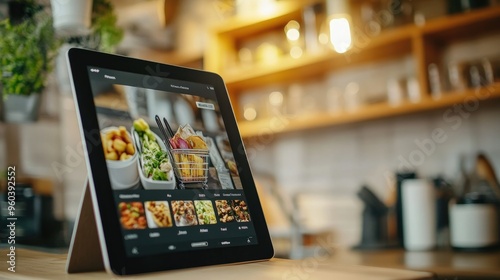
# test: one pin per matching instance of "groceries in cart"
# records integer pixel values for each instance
(186, 138)
(190, 153)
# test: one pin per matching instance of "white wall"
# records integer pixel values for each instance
(336, 162)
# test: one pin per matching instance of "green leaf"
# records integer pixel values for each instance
(27, 52)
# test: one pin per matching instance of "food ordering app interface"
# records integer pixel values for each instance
(174, 176)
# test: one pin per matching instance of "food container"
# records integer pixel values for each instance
(122, 173)
(419, 215)
(148, 183)
(473, 223)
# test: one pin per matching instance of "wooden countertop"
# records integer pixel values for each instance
(39, 265)
(444, 264)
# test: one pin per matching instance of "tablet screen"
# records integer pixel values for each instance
(176, 187)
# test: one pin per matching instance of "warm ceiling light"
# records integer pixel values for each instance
(292, 30)
(340, 34)
(338, 24)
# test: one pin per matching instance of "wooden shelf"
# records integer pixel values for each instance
(425, 44)
(280, 125)
(463, 26)
(242, 26)
(390, 44)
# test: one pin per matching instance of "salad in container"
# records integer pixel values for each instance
(155, 168)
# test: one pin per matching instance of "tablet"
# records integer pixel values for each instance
(168, 174)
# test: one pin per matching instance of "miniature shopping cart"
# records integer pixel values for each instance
(190, 166)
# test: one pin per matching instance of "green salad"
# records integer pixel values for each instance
(155, 162)
(205, 212)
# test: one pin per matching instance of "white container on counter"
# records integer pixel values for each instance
(473, 226)
(419, 215)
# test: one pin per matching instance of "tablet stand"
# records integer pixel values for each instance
(85, 252)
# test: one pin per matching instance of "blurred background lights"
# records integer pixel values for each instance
(340, 34)
(296, 52)
(292, 30)
(266, 7)
(249, 113)
(323, 38)
(338, 24)
(276, 98)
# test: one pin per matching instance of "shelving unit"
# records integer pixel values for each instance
(369, 112)
(390, 44)
(424, 43)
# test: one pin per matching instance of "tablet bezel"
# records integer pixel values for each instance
(107, 217)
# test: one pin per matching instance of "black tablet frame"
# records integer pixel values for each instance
(119, 263)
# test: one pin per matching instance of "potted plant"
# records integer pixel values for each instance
(72, 18)
(105, 30)
(27, 50)
(87, 23)
(102, 35)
